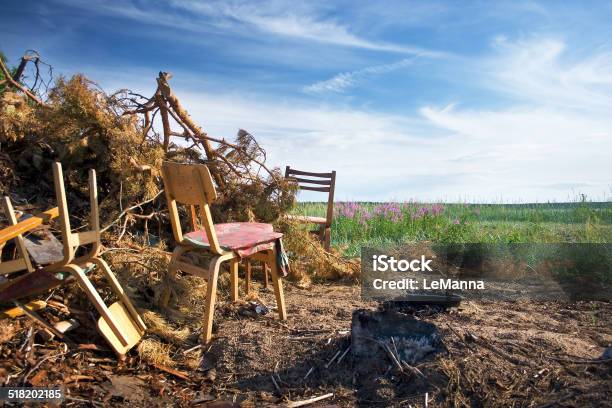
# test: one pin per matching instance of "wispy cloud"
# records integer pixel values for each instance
(281, 18)
(557, 127)
(545, 71)
(345, 80)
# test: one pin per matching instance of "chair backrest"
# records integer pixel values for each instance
(190, 184)
(72, 240)
(322, 182)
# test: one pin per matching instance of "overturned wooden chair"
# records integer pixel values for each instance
(192, 185)
(321, 182)
(120, 324)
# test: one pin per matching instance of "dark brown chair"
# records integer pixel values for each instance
(322, 182)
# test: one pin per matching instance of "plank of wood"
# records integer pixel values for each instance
(28, 224)
(17, 311)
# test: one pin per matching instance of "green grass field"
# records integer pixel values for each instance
(387, 224)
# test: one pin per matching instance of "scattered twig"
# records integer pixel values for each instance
(189, 350)
(78, 377)
(343, 354)
(308, 373)
(333, 358)
(42, 360)
(69, 398)
(394, 359)
(124, 212)
(295, 404)
(275, 384)
(413, 369)
(176, 373)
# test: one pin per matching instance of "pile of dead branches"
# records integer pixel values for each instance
(125, 137)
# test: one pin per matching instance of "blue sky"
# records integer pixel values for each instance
(430, 100)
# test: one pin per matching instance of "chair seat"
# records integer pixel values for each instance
(244, 238)
(308, 218)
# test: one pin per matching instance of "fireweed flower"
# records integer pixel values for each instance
(437, 209)
(347, 209)
(390, 211)
(365, 217)
(456, 221)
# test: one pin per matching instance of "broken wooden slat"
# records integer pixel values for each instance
(28, 224)
(18, 311)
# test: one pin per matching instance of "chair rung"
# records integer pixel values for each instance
(192, 269)
(307, 173)
(84, 238)
(319, 182)
(322, 189)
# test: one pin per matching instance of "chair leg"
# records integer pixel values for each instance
(322, 233)
(247, 277)
(108, 273)
(95, 298)
(234, 278)
(164, 298)
(278, 285)
(264, 268)
(211, 297)
(327, 239)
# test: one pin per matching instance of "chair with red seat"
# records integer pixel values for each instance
(192, 185)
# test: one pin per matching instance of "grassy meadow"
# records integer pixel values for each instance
(358, 224)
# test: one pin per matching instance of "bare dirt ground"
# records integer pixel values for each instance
(520, 354)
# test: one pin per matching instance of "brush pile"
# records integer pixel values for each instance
(125, 137)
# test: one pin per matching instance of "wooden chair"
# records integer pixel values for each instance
(192, 185)
(120, 324)
(322, 182)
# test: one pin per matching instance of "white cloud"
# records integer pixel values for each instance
(281, 18)
(543, 71)
(346, 80)
(554, 141)
(290, 19)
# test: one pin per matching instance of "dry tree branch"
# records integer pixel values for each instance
(127, 210)
(166, 91)
(9, 78)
